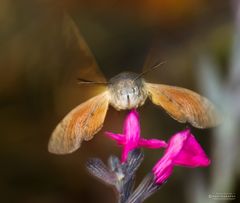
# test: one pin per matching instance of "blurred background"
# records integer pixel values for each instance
(199, 39)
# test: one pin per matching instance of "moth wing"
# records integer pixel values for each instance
(88, 68)
(184, 105)
(82, 123)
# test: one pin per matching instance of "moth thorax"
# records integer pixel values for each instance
(127, 91)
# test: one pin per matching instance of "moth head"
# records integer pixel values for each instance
(127, 91)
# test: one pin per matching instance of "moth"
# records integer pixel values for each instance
(125, 91)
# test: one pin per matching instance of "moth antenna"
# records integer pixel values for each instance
(89, 82)
(151, 69)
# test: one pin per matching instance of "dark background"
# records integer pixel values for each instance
(38, 71)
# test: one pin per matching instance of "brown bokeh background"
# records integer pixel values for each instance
(197, 38)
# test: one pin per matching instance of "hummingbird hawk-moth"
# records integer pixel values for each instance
(126, 90)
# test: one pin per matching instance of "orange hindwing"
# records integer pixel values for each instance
(184, 105)
(82, 123)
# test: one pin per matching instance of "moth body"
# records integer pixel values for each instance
(127, 91)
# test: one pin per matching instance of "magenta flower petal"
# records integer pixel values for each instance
(183, 150)
(152, 143)
(162, 170)
(175, 144)
(118, 137)
(131, 128)
(192, 154)
(130, 139)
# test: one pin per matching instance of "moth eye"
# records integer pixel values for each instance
(135, 89)
(120, 92)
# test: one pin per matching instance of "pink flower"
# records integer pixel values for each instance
(130, 138)
(183, 150)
